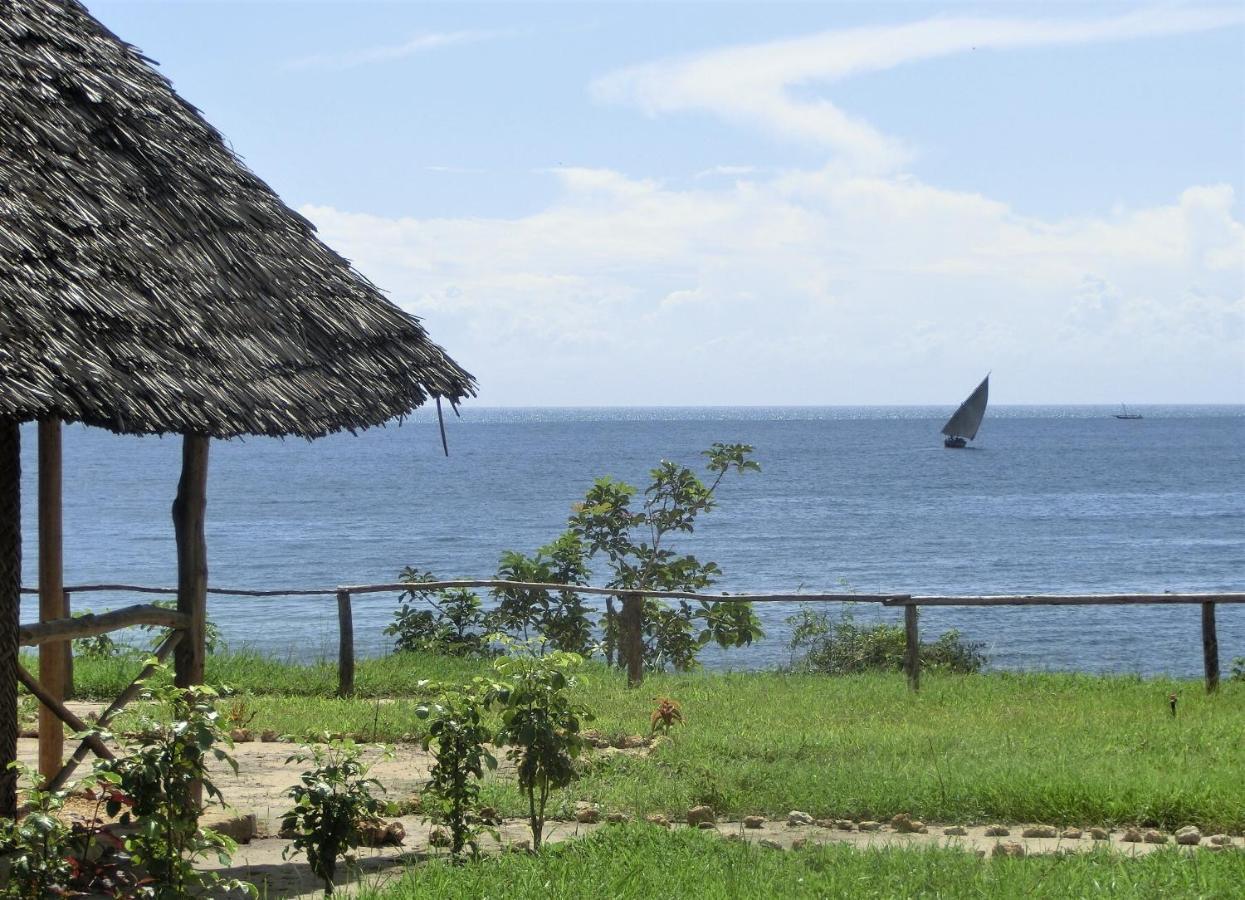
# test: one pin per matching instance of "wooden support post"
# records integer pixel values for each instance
(67, 613)
(631, 637)
(912, 647)
(189, 512)
(345, 645)
(10, 605)
(1210, 648)
(51, 597)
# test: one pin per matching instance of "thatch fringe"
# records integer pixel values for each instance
(150, 283)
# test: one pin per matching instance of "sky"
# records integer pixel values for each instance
(760, 204)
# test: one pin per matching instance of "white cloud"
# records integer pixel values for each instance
(818, 286)
(420, 43)
(754, 85)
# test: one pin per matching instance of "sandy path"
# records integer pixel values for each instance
(260, 788)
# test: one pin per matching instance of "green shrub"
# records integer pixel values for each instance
(455, 624)
(841, 647)
(457, 737)
(159, 778)
(335, 796)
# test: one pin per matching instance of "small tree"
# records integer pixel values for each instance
(540, 724)
(335, 796)
(457, 738)
(635, 545)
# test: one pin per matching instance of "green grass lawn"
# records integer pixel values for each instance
(645, 862)
(1063, 749)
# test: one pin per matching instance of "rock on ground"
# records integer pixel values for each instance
(698, 815)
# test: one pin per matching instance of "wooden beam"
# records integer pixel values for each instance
(10, 605)
(345, 645)
(1067, 600)
(189, 513)
(91, 624)
(1210, 648)
(62, 714)
(51, 596)
(162, 653)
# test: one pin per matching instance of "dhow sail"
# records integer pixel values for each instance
(967, 419)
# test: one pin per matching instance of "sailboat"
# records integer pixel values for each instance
(1125, 414)
(963, 424)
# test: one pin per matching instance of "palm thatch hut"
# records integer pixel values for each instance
(150, 284)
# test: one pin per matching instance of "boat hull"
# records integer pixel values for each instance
(955, 443)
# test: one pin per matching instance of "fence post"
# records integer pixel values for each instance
(912, 648)
(1210, 647)
(345, 645)
(631, 630)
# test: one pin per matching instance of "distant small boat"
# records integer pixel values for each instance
(1125, 414)
(963, 424)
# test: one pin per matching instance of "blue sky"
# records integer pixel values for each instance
(745, 203)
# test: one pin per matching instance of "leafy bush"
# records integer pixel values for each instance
(457, 737)
(38, 844)
(335, 796)
(844, 648)
(456, 625)
(1238, 669)
(560, 621)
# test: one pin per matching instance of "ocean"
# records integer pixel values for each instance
(864, 499)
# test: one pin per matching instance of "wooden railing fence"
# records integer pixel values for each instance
(181, 624)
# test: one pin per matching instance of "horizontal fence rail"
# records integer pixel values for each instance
(83, 626)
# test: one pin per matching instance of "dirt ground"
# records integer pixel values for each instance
(263, 779)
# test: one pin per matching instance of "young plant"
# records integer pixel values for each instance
(457, 738)
(159, 778)
(540, 725)
(335, 796)
(665, 716)
(38, 844)
(635, 545)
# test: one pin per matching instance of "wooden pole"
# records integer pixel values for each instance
(67, 612)
(1210, 648)
(345, 645)
(10, 605)
(631, 634)
(51, 597)
(912, 647)
(189, 512)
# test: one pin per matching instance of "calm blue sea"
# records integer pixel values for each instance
(1048, 500)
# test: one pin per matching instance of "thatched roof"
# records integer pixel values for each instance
(150, 283)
